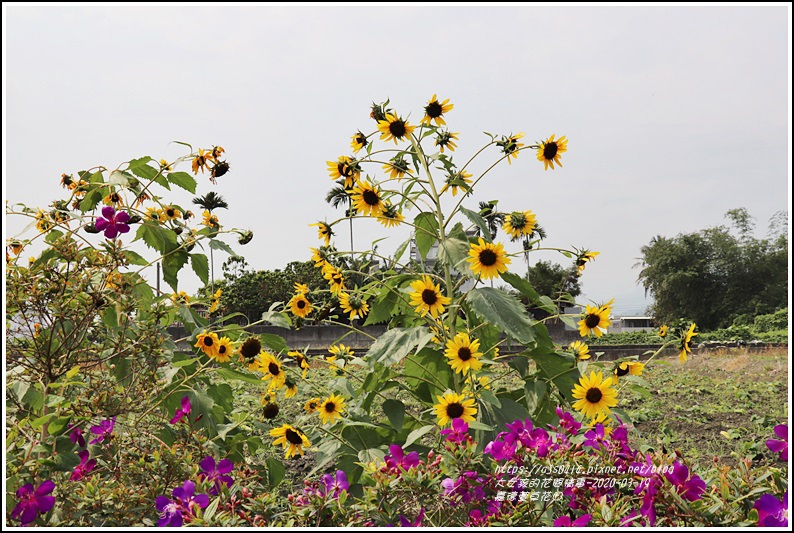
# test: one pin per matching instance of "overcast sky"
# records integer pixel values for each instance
(674, 115)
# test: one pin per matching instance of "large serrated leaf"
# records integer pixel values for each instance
(426, 230)
(201, 266)
(525, 288)
(396, 343)
(220, 245)
(479, 221)
(172, 264)
(454, 250)
(160, 239)
(504, 311)
(140, 168)
(183, 180)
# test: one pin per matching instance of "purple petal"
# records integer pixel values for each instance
(202, 500)
(45, 488)
(582, 520)
(208, 464)
(562, 521)
(122, 217)
(45, 503)
(396, 452)
(776, 445)
(108, 212)
(186, 404)
(341, 480)
(29, 514)
(24, 490)
(101, 224)
(781, 430)
(122, 228)
(161, 502)
(225, 466)
(111, 232)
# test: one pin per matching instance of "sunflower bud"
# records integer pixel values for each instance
(91, 228)
(134, 219)
(246, 237)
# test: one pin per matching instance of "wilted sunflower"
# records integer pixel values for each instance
(520, 223)
(367, 199)
(114, 199)
(210, 220)
(250, 348)
(311, 405)
(549, 151)
(201, 160)
(208, 343)
(353, 304)
(510, 145)
(445, 139)
(219, 169)
(359, 141)
(684, 346)
(594, 394)
(457, 179)
(582, 259)
(397, 167)
(270, 366)
(434, 111)
(463, 354)
(581, 350)
(596, 319)
(628, 368)
(335, 278)
(390, 216)
(488, 260)
(270, 410)
(394, 128)
(15, 247)
(321, 256)
(346, 168)
(224, 351)
(43, 221)
(663, 331)
(330, 408)
(300, 305)
(324, 231)
(452, 406)
(427, 297)
(292, 439)
(300, 358)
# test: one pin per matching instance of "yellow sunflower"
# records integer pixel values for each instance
(114, 199)
(596, 319)
(331, 408)
(594, 394)
(210, 220)
(488, 260)
(324, 231)
(397, 167)
(320, 256)
(359, 141)
(628, 368)
(201, 161)
(224, 351)
(367, 199)
(353, 304)
(215, 300)
(300, 358)
(583, 258)
(520, 223)
(311, 405)
(446, 139)
(300, 305)
(434, 111)
(457, 179)
(269, 364)
(340, 350)
(510, 145)
(581, 350)
(292, 439)
(155, 215)
(394, 128)
(663, 331)
(346, 168)
(463, 355)
(685, 340)
(390, 216)
(291, 388)
(208, 343)
(427, 297)
(550, 150)
(180, 297)
(603, 419)
(453, 405)
(171, 212)
(335, 278)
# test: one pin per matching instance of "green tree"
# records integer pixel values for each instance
(552, 280)
(339, 196)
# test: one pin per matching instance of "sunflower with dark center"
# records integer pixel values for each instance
(583, 258)
(454, 180)
(208, 343)
(300, 305)
(390, 216)
(114, 199)
(434, 111)
(340, 350)
(270, 366)
(224, 351)
(596, 319)
(627, 368)
(581, 350)
(452, 406)
(66, 180)
(520, 223)
(336, 280)
(311, 405)
(397, 167)
(321, 256)
(353, 304)
(270, 411)
(215, 301)
(155, 215)
(291, 438)
(550, 150)
(394, 128)
(210, 220)
(594, 394)
(331, 408)
(487, 259)
(200, 162)
(250, 348)
(345, 168)
(463, 354)
(684, 347)
(445, 139)
(324, 231)
(510, 145)
(15, 247)
(427, 298)
(300, 359)
(171, 212)
(367, 199)
(359, 141)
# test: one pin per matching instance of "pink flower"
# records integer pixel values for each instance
(183, 411)
(565, 521)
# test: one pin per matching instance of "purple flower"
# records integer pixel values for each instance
(466, 488)
(173, 511)
(183, 411)
(771, 511)
(459, 431)
(504, 447)
(565, 521)
(184, 495)
(335, 484)
(76, 436)
(113, 223)
(780, 446)
(595, 437)
(404, 522)
(397, 458)
(215, 473)
(568, 422)
(170, 512)
(32, 502)
(690, 488)
(540, 441)
(521, 431)
(84, 468)
(103, 430)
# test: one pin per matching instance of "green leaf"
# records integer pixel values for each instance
(401, 250)
(275, 472)
(489, 397)
(396, 343)
(118, 178)
(201, 266)
(504, 311)
(417, 434)
(562, 371)
(140, 168)
(109, 317)
(477, 219)
(183, 180)
(426, 231)
(454, 250)
(160, 239)
(40, 421)
(277, 318)
(382, 307)
(395, 411)
(525, 288)
(428, 375)
(134, 258)
(228, 373)
(172, 264)
(92, 198)
(220, 245)
(275, 342)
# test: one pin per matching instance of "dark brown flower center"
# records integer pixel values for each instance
(170, 212)
(397, 128)
(370, 197)
(337, 278)
(301, 304)
(622, 370)
(208, 341)
(330, 407)
(592, 320)
(429, 296)
(251, 348)
(270, 410)
(594, 395)
(487, 257)
(222, 349)
(344, 169)
(434, 109)
(293, 437)
(464, 353)
(550, 150)
(454, 410)
(274, 369)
